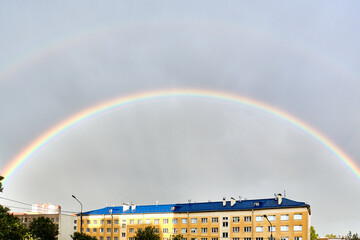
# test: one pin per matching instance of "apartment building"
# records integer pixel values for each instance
(64, 222)
(255, 219)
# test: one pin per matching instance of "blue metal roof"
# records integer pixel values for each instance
(202, 207)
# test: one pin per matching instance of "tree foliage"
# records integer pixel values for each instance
(330, 236)
(313, 235)
(177, 237)
(147, 234)
(1, 188)
(43, 228)
(351, 236)
(10, 226)
(82, 236)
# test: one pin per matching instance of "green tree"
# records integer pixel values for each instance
(10, 226)
(43, 228)
(330, 236)
(177, 237)
(82, 236)
(147, 234)
(313, 235)
(1, 188)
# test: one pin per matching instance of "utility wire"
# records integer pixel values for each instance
(39, 207)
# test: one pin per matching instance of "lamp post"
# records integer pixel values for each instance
(271, 237)
(81, 222)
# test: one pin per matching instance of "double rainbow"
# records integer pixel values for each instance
(76, 119)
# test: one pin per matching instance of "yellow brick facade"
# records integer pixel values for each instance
(288, 224)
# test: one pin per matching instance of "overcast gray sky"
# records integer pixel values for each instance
(60, 57)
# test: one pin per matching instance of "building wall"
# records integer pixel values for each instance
(65, 223)
(202, 225)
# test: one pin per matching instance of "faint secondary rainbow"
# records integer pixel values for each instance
(63, 126)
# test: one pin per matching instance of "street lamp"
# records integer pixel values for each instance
(81, 222)
(271, 237)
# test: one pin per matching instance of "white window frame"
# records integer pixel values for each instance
(259, 229)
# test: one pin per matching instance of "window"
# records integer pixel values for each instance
(259, 229)
(123, 234)
(131, 221)
(284, 228)
(108, 230)
(247, 219)
(116, 221)
(259, 238)
(139, 221)
(123, 225)
(165, 221)
(194, 220)
(259, 218)
(175, 221)
(284, 238)
(116, 238)
(273, 229)
(225, 218)
(236, 229)
(214, 239)
(101, 238)
(184, 220)
(203, 238)
(75, 221)
(101, 230)
(247, 238)
(236, 219)
(297, 238)
(184, 238)
(184, 230)
(147, 221)
(116, 230)
(131, 230)
(203, 230)
(131, 238)
(108, 238)
(87, 221)
(174, 230)
(156, 230)
(52, 219)
(271, 217)
(108, 222)
(225, 224)
(214, 230)
(215, 219)
(102, 222)
(297, 216)
(94, 221)
(165, 230)
(94, 230)
(156, 221)
(284, 217)
(193, 230)
(236, 238)
(204, 220)
(297, 228)
(247, 229)
(88, 230)
(225, 234)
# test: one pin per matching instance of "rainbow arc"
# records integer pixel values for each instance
(26, 154)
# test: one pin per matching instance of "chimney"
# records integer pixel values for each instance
(224, 201)
(233, 201)
(279, 198)
(125, 207)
